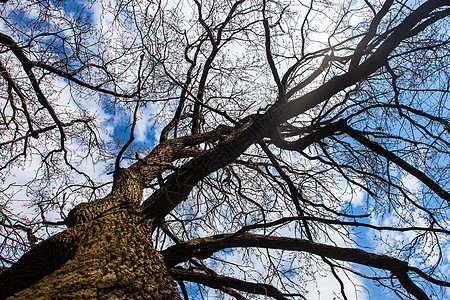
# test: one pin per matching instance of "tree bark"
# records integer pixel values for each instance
(108, 257)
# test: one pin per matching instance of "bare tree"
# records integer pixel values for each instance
(296, 139)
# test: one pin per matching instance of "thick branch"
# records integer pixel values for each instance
(218, 281)
(205, 247)
(160, 158)
(398, 161)
(179, 185)
(370, 34)
(370, 65)
(307, 140)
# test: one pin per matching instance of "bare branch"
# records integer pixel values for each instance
(218, 281)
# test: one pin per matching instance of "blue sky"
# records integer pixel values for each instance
(118, 118)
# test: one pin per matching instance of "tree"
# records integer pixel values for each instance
(307, 137)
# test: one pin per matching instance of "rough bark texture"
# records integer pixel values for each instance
(107, 257)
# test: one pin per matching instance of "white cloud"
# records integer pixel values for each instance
(327, 287)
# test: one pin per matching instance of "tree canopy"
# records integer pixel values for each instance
(283, 149)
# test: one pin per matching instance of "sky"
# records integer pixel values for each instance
(117, 122)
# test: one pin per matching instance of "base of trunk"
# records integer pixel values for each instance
(114, 260)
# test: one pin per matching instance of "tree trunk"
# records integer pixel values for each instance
(109, 257)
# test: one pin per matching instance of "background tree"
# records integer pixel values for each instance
(234, 148)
